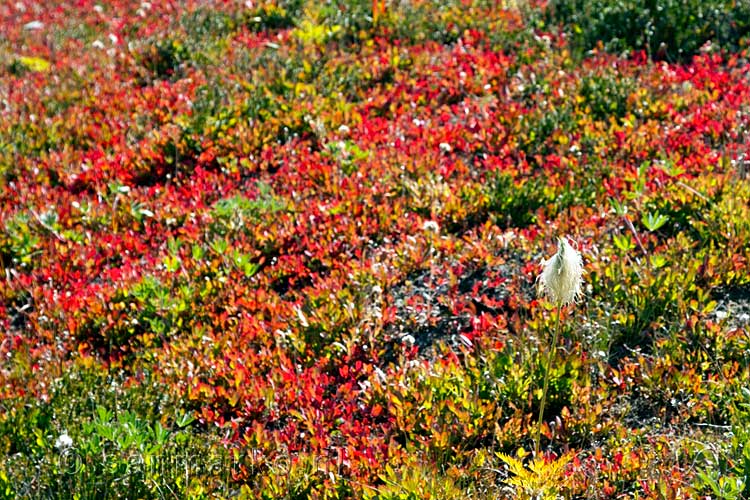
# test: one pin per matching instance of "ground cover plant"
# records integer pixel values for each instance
(290, 249)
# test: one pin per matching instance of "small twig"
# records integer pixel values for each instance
(712, 426)
(696, 193)
(635, 233)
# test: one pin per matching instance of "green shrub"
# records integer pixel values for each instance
(666, 29)
(514, 205)
(725, 473)
(606, 95)
(100, 435)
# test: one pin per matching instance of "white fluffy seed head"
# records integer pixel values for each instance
(561, 279)
(63, 442)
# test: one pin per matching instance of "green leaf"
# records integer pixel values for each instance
(184, 419)
(658, 261)
(654, 220)
(668, 167)
(160, 434)
(172, 263)
(624, 243)
(103, 415)
(620, 208)
(198, 252)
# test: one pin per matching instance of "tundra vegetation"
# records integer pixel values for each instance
(289, 249)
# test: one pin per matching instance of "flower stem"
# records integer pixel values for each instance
(550, 354)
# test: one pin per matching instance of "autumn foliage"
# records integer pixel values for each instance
(288, 250)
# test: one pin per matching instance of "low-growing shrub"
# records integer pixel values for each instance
(674, 30)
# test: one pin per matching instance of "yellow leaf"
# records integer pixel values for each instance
(34, 63)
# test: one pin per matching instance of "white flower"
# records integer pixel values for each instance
(63, 442)
(33, 26)
(561, 278)
(430, 225)
(408, 339)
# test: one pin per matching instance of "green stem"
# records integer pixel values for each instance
(550, 354)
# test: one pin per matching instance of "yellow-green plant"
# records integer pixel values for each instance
(541, 480)
(414, 482)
